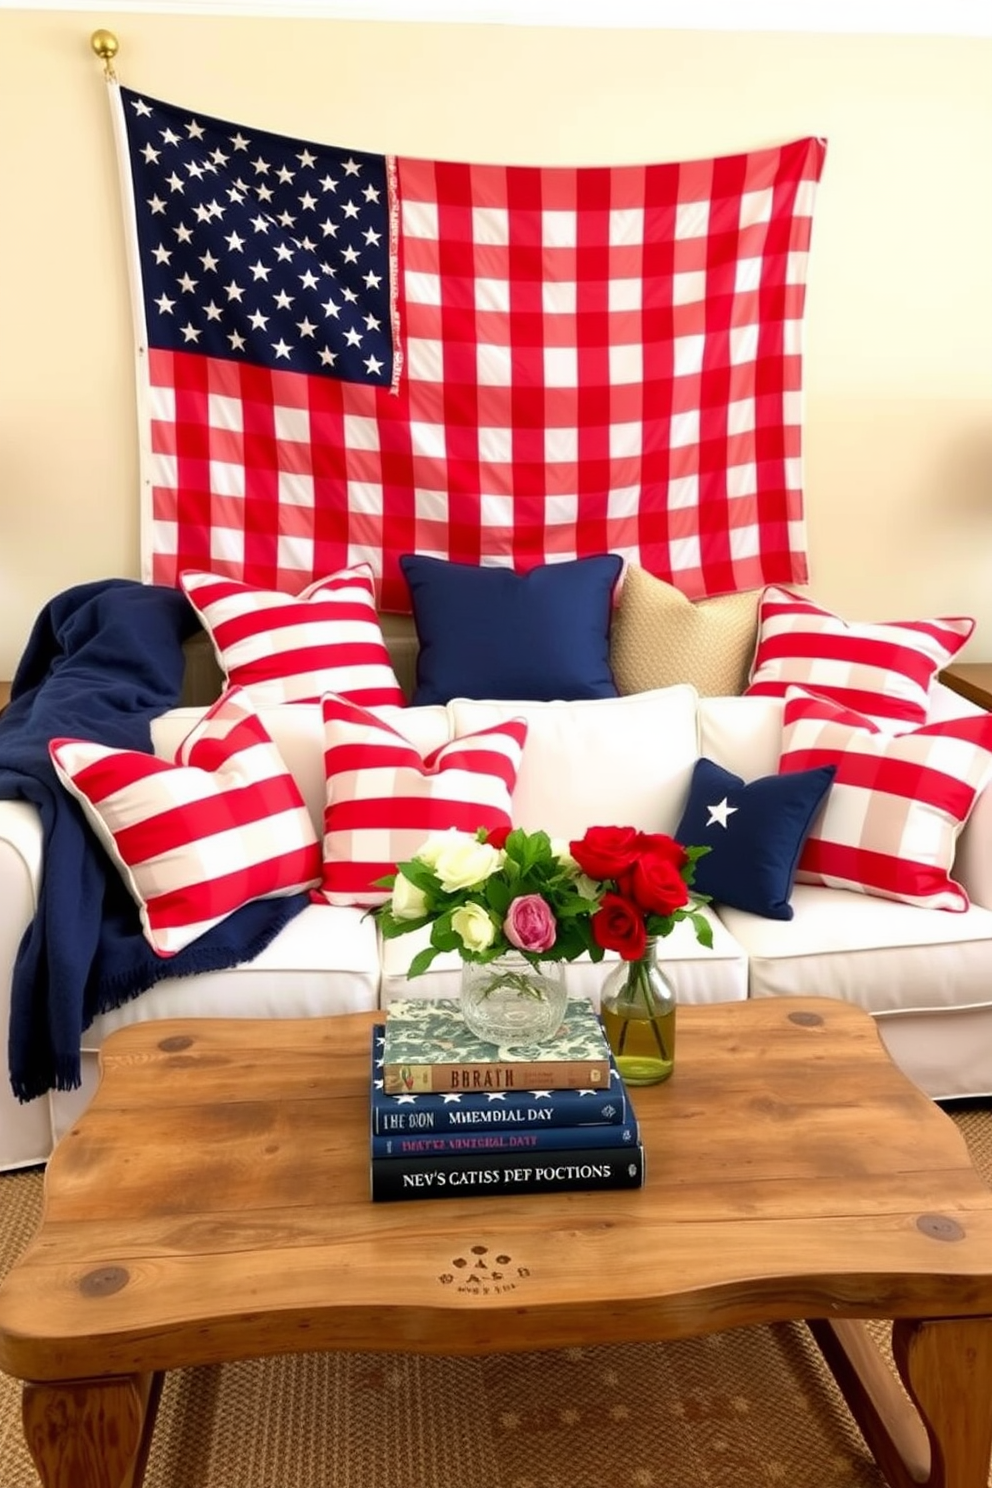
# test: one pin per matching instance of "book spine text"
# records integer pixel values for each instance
(578, 1170)
(446, 1144)
(557, 1074)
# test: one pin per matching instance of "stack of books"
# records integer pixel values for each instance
(452, 1116)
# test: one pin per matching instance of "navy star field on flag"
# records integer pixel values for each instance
(259, 248)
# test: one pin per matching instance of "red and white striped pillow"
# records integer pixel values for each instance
(384, 799)
(196, 839)
(882, 670)
(285, 648)
(897, 804)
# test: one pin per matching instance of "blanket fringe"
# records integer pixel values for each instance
(64, 1074)
(194, 960)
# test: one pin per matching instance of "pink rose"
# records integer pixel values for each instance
(529, 924)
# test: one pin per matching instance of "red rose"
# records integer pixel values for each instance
(660, 845)
(606, 852)
(656, 885)
(617, 926)
(496, 836)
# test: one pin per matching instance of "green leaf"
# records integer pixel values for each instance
(391, 927)
(421, 877)
(443, 938)
(498, 896)
(693, 854)
(527, 848)
(421, 961)
(703, 928)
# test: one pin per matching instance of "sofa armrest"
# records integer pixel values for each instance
(26, 1135)
(946, 703)
(20, 878)
(973, 855)
(21, 843)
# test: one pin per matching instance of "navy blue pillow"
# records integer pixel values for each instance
(755, 833)
(493, 633)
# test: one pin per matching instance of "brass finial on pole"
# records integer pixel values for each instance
(104, 43)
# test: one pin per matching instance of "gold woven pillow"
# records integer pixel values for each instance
(659, 638)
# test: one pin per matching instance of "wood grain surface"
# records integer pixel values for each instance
(213, 1204)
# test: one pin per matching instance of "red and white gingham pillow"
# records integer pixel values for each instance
(196, 839)
(882, 670)
(384, 799)
(285, 648)
(891, 820)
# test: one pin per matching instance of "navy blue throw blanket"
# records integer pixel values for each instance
(103, 659)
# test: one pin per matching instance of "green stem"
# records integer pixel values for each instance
(639, 981)
(524, 985)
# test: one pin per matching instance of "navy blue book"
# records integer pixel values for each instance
(492, 1111)
(534, 1139)
(581, 1170)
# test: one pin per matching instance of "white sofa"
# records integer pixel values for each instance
(926, 975)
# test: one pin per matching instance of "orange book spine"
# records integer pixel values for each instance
(495, 1075)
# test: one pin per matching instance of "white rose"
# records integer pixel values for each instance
(474, 926)
(438, 841)
(463, 863)
(583, 884)
(559, 849)
(409, 902)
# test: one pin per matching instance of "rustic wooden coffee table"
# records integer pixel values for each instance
(212, 1205)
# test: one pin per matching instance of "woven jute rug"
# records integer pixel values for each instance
(752, 1408)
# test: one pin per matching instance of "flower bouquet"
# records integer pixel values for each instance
(513, 894)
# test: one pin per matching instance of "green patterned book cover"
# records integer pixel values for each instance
(428, 1047)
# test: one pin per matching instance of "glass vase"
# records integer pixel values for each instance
(509, 1001)
(638, 1011)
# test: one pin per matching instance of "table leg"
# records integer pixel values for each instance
(946, 1366)
(91, 1433)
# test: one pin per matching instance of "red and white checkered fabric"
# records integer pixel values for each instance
(897, 804)
(196, 838)
(384, 799)
(601, 359)
(293, 649)
(883, 670)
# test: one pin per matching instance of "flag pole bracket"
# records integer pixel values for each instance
(105, 44)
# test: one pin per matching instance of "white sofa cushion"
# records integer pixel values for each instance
(325, 961)
(880, 954)
(743, 734)
(622, 761)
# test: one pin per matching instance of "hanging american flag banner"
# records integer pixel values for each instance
(344, 357)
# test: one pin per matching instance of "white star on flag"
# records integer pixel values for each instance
(718, 814)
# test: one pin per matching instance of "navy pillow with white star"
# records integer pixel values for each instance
(755, 833)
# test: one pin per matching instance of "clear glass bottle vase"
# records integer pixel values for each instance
(638, 1010)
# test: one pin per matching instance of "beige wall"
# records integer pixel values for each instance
(899, 310)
